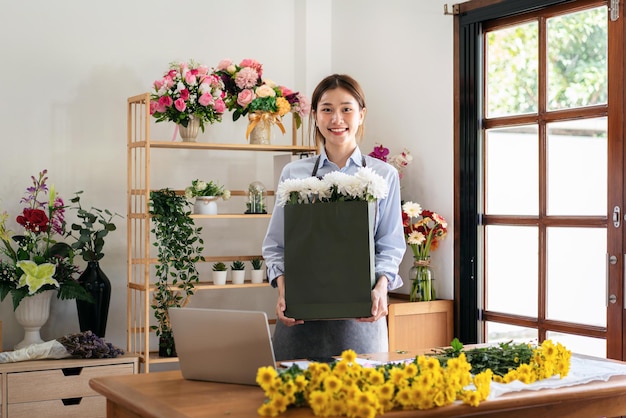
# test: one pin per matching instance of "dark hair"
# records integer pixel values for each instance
(332, 82)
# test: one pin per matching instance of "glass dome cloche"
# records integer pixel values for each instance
(257, 193)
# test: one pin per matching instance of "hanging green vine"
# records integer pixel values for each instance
(179, 247)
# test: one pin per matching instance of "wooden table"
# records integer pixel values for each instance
(168, 395)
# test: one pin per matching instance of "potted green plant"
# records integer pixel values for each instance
(257, 275)
(93, 226)
(238, 270)
(179, 247)
(219, 273)
(206, 194)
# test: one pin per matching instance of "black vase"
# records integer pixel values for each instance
(167, 346)
(93, 316)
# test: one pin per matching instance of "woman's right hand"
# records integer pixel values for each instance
(281, 305)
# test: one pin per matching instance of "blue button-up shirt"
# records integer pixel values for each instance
(388, 232)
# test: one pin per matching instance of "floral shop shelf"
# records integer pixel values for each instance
(415, 326)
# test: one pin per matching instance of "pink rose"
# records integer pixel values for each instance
(190, 78)
(285, 91)
(172, 73)
(184, 94)
(206, 99)
(169, 81)
(203, 70)
(245, 97)
(153, 106)
(165, 102)
(224, 64)
(180, 105)
(219, 106)
(158, 84)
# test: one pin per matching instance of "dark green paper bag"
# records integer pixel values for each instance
(329, 260)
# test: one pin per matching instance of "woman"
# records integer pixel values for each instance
(337, 116)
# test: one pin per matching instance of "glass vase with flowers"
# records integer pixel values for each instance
(423, 231)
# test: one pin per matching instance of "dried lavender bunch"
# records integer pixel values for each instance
(89, 345)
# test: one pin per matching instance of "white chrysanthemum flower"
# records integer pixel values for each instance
(412, 209)
(226, 195)
(375, 186)
(311, 188)
(415, 238)
(335, 178)
(354, 187)
(285, 188)
(365, 185)
(188, 192)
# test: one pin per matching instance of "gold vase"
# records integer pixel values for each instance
(261, 130)
(260, 127)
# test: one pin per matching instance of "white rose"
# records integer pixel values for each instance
(269, 82)
(265, 91)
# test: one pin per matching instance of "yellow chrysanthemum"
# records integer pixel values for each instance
(404, 397)
(376, 378)
(279, 402)
(332, 383)
(341, 368)
(411, 370)
(349, 356)
(283, 106)
(396, 376)
(470, 397)
(265, 376)
(267, 410)
(337, 408)
(301, 383)
(319, 400)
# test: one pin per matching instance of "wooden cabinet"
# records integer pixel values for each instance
(418, 326)
(140, 261)
(58, 388)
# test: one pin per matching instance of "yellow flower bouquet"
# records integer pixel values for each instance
(346, 388)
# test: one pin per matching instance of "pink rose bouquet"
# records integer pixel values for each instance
(186, 91)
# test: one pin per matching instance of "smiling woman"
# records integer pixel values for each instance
(338, 112)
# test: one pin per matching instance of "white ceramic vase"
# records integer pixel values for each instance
(219, 277)
(257, 276)
(189, 133)
(205, 205)
(238, 276)
(32, 313)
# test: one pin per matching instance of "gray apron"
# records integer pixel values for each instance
(329, 337)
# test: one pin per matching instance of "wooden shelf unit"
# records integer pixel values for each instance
(140, 282)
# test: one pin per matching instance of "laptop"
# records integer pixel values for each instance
(221, 345)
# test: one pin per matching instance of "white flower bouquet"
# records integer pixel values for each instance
(335, 186)
(329, 243)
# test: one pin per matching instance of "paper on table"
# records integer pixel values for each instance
(304, 364)
(583, 369)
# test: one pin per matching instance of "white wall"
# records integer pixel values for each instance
(68, 67)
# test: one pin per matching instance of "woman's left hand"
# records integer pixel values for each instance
(379, 301)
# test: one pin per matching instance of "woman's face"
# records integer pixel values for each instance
(338, 117)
